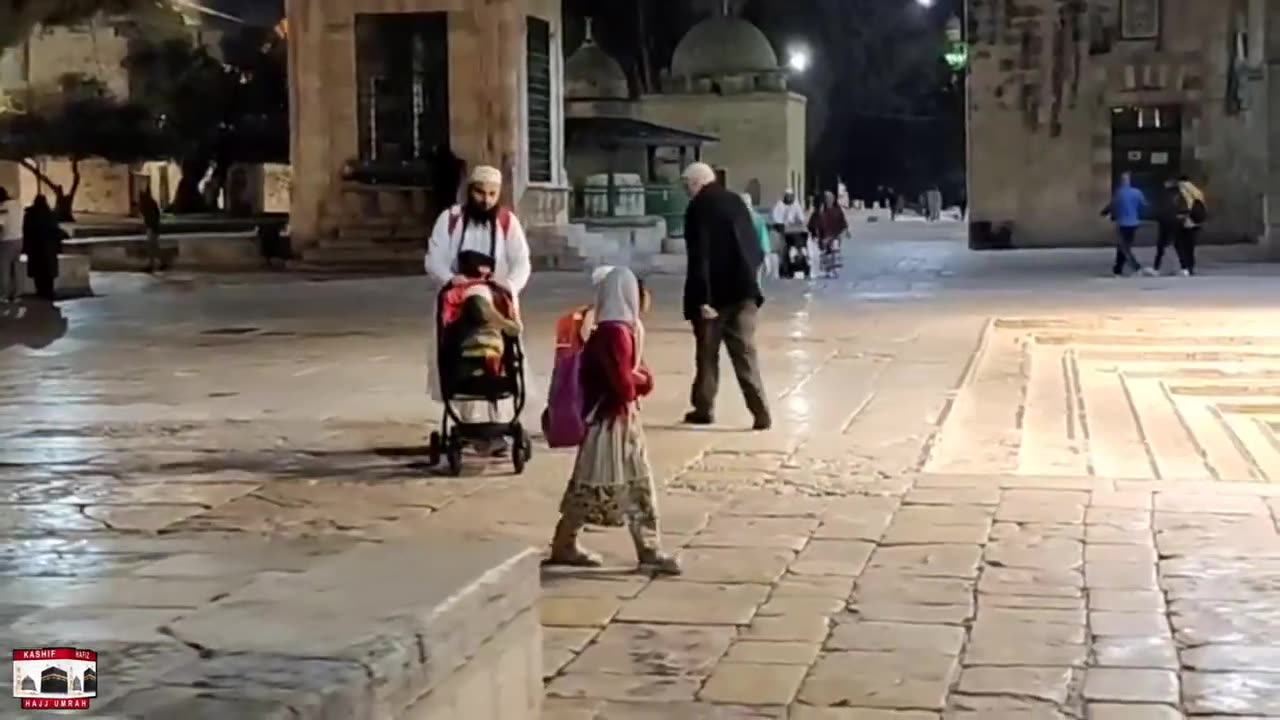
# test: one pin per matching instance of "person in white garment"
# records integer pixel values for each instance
(10, 245)
(478, 238)
(790, 222)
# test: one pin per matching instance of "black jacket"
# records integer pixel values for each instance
(723, 251)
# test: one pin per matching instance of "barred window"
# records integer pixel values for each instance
(402, 71)
(538, 89)
(1139, 19)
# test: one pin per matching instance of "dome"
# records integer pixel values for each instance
(723, 46)
(591, 74)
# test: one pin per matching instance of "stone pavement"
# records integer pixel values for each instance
(1000, 485)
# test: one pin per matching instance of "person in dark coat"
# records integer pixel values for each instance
(150, 211)
(41, 242)
(722, 294)
(1167, 219)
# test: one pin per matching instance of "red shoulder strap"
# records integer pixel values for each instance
(504, 220)
(454, 215)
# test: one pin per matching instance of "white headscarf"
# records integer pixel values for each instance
(599, 274)
(618, 300)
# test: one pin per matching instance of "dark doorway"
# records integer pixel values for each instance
(1146, 142)
(402, 75)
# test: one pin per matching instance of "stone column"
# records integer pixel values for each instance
(1271, 110)
(500, 25)
(307, 146)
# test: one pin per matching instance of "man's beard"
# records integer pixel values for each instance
(478, 214)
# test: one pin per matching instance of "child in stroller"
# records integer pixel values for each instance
(480, 360)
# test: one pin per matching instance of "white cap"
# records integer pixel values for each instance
(486, 175)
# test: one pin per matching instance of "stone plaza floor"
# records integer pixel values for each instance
(1000, 485)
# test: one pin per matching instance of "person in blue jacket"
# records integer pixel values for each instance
(1125, 209)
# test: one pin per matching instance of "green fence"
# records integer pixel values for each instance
(665, 201)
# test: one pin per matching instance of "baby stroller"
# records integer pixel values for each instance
(795, 255)
(481, 363)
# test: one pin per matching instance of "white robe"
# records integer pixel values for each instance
(790, 217)
(512, 269)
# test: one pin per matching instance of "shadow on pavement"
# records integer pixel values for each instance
(33, 324)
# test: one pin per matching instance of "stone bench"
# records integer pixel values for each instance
(437, 628)
(73, 277)
(194, 251)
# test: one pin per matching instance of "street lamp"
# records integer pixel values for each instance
(925, 3)
(799, 59)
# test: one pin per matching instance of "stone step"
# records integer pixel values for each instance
(363, 255)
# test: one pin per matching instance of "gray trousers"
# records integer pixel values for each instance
(10, 283)
(735, 328)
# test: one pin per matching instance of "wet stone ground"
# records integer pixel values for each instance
(1000, 485)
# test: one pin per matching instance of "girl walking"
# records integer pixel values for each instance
(612, 482)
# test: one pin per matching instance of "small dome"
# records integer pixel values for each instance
(591, 74)
(723, 46)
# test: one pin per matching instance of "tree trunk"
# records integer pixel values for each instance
(187, 198)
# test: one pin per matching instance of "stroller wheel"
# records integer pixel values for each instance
(521, 449)
(435, 448)
(454, 456)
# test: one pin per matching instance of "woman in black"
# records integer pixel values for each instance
(41, 242)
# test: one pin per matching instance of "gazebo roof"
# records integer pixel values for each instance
(629, 132)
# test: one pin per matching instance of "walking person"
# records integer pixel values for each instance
(478, 239)
(762, 232)
(1192, 213)
(722, 305)
(1125, 210)
(612, 482)
(827, 226)
(42, 242)
(10, 245)
(1168, 222)
(788, 220)
(150, 211)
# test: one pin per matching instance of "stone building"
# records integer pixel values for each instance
(1065, 95)
(725, 81)
(387, 95)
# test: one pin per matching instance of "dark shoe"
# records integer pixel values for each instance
(762, 423)
(693, 417)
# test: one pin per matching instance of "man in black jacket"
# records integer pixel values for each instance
(722, 294)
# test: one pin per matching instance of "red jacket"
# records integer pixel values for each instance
(609, 375)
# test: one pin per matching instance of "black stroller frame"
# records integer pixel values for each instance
(454, 432)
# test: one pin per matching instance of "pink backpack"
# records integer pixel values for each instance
(562, 423)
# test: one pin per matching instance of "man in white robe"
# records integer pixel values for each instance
(478, 238)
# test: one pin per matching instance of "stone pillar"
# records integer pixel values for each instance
(1271, 201)
(308, 154)
(500, 25)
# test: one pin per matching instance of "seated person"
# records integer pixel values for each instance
(481, 333)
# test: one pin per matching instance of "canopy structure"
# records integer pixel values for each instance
(618, 132)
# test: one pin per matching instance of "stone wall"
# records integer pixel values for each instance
(97, 50)
(104, 187)
(1045, 77)
(762, 135)
(486, 99)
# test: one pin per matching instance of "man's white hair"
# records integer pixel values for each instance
(699, 174)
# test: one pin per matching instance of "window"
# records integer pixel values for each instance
(1139, 19)
(538, 90)
(402, 71)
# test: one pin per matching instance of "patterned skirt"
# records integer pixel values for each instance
(612, 483)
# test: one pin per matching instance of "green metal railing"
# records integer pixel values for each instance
(661, 200)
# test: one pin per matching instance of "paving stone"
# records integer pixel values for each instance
(694, 604)
(124, 592)
(1131, 685)
(794, 628)
(806, 712)
(990, 707)
(1128, 624)
(1136, 652)
(570, 708)
(753, 683)
(909, 681)
(1229, 658)
(773, 653)
(801, 605)
(949, 497)
(929, 560)
(1026, 581)
(654, 650)
(885, 637)
(577, 586)
(1026, 644)
(578, 612)
(1042, 683)
(1139, 601)
(1032, 602)
(1231, 622)
(832, 557)
(738, 565)
(603, 686)
(995, 615)
(1232, 694)
(823, 586)
(636, 710)
(1120, 576)
(1116, 711)
(912, 613)
(560, 645)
